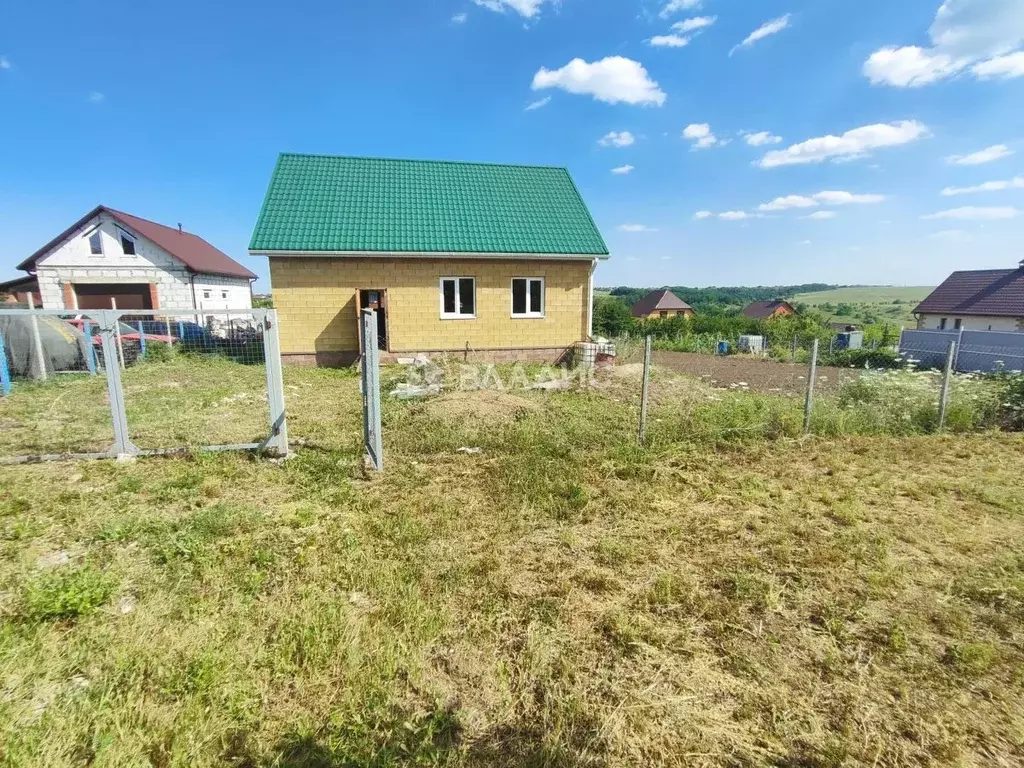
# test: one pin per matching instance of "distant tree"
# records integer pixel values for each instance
(611, 317)
(845, 310)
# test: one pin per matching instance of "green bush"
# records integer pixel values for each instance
(863, 358)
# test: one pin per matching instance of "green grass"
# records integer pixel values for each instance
(733, 594)
(881, 303)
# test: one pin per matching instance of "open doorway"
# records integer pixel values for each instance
(376, 299)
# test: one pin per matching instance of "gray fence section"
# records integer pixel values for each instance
(371, 389)
(976, 351)
(37, 346)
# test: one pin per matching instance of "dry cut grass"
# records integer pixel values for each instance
(561, 598)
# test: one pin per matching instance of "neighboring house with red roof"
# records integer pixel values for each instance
(768, 310)
(976, 300)
(661, 304)
(109, 258)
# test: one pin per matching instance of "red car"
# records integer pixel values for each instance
(128, 333)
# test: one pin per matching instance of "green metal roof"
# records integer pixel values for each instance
(334, 204)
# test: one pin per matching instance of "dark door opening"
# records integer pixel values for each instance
(109, 295)
(376, 300)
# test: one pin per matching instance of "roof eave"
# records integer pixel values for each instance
(431, 255)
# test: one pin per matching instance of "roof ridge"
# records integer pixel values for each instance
(431, 161)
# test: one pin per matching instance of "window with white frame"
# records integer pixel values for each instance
(96, 244)
(223, 294)
(458, 297)
(527, 297)
(127, 243)
(206, 294)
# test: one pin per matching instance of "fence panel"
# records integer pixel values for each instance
(109, 382)
(977, 351)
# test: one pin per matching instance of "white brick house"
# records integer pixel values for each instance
(110, 258)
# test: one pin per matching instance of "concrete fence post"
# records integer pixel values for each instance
(117, 334)
(645, 391)
(275, 385)
(37, 343)
(109, 322)
(812, 374)
(371, 390)
(947, 377)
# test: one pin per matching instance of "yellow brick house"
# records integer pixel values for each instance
(483, 261)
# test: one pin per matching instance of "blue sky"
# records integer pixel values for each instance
(177, 112)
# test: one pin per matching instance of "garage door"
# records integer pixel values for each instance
(102, 295)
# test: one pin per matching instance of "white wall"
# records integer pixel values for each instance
(971, 322)
(72, 261)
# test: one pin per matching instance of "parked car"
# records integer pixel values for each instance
(193, 334)
(129, 333)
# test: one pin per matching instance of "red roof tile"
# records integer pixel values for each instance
(194, 252)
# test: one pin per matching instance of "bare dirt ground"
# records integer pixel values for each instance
(757, 374)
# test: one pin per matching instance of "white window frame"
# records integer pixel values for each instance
(95, 233)
(457, 315)
(125, 236)
(528, 315)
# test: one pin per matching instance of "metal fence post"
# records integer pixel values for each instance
(644, 391)
(792, 350)
(5, 373)
(142, 340)
(181, 331)
(946, 377)
(170, 336)
(275, 385)
(371, 390)
(109, 322)
(37, 347)
(959, 344)
(87, 350)
(831, 345)
(812, 374)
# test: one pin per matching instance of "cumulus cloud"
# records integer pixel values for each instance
(975, 213)
(612, 80)
(989, 186)
(760, 138)
(617, 139)
(982, 37)
(987, 155)
(828, 197)
(636, 228)
(787, 202)
(703, 215)
(851, 145)
(772, 27)
(525, 8)
(733, 215)
(821, 215)
(675, 6)
(668, 41)
(538, 104)
(701, 136)
(622, 170)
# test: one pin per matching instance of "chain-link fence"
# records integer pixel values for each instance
(95, 383)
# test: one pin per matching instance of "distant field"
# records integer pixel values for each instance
(874, 303)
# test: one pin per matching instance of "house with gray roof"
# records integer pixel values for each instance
(976, 300)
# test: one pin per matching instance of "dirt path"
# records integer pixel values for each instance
(758, 374)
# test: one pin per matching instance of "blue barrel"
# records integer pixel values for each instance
(723, 347)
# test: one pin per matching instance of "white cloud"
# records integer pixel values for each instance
(635, 228)
(622, 170)
(617, 139)
(787, 202)
(805, 242)
(988, 155)
(821, 215)
(674, 6)
(538, 104)
(460, 18)
(835, 197)
(1008, 66)
(974, 213)
(761, 138)
(612, 80)
(851, 145)
(734, 215)
(989, 186)
(95, 97)
(526, 8)
(703, 215)
(692, 25)
(701, 136)
(668, 41)
(982, 35)
(5, 63)
(768, 28)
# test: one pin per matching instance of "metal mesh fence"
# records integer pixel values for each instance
(110, 382)
(976, 351)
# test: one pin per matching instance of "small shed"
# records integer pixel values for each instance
(661, 304)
